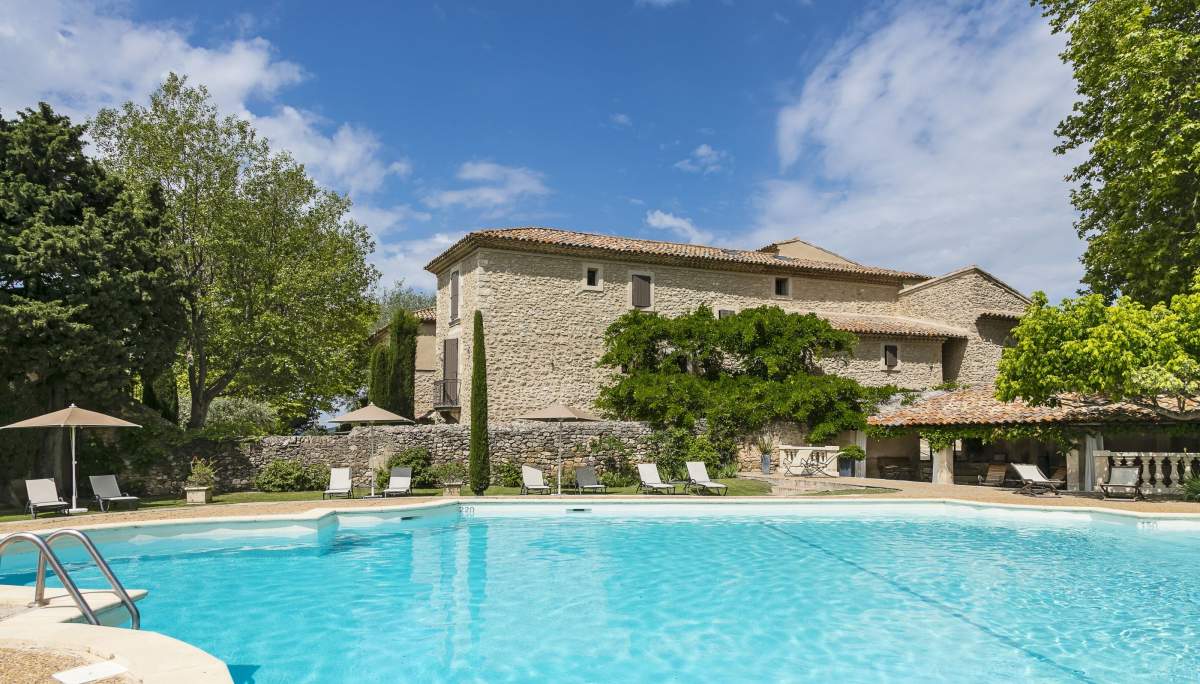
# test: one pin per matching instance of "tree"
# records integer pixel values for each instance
(1137, 69)
(400, 296)
(394, 365)
(277, 281)
(1085, 352)
(88, 295)
(478, 461)
(738, 373)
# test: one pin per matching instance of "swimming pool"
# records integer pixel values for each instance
(852, 592)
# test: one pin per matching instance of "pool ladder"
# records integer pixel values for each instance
(46, 555)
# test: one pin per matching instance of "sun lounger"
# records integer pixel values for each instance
(532, 481)
(399, 481)
(651, 481)
(43, 496)
(105, 488)
(997, 473)
(698, 479)
(586, 481)
(1123, 481)
(1033, 480)
(339, 484)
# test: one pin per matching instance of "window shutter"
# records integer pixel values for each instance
(450, 359)
(454, 296)
(890, 355)
(641, 291)
(724, 313)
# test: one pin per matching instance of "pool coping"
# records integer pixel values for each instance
(318, 514)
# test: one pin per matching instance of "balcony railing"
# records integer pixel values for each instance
(445, 393)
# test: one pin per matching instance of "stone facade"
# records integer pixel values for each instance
(544, 326)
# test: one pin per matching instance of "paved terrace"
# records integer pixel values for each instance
(805, 489)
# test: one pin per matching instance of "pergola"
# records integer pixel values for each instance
(976, 410)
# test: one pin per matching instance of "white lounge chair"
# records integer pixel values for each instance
(339, 484)
(1033, 480)
(698, 479)
(43, 496)
(1123, 481)
(531, 481)
(586, 481)
(106, 491)
(399, 481)
(651, 481)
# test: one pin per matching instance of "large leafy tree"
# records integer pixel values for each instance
(739, 373)
(400, 297)
(1087, 352)
(1137, 69)
(88, 294)
(277, 281)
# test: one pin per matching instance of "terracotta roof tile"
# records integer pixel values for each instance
(428, 314)
(996, 313)
(563, 241)
(868, 324)
(979, 406)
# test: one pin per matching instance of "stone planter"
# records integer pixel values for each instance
(452, 488)
(198, 495)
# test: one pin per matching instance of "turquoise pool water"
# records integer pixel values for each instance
(652, 594)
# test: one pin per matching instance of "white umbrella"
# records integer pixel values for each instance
(370, 415)
(559, 413)
(72, 417)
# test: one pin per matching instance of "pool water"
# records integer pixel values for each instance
(639, 594)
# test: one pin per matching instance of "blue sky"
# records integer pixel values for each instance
(915, 135)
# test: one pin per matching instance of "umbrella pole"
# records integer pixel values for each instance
(74, 484)
(371, 458)
(559, 441)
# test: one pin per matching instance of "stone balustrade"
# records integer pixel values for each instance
(1162, 472)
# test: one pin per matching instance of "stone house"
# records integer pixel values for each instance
(547, 295)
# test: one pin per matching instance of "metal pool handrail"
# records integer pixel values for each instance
(47, 555)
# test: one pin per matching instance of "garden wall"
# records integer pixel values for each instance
(522, 443)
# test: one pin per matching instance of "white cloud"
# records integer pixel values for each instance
(497, 187)
(679, 225)
(389, 219)
(350, 158)
(619, 119)
(923, 142)
(406, 259)
(704, 159)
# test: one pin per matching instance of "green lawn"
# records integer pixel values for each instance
(736, 488)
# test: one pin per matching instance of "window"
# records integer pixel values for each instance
(891, 356)
(453, 296)
(783, 287)
(593, 277)
(725, 313)
(642, 290)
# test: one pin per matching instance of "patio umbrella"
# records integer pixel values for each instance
(72, 417)
(370, 415)
(558, 413)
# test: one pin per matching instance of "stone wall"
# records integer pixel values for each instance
(521, 443)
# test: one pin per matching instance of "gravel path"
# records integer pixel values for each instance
(34, 666)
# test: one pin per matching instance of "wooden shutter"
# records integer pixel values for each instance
(890, 355)
(641, 291)
(450, 359)
(454, 296)
(724, 313)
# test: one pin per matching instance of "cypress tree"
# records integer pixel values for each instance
(403, 342)
(480, 469)
(381, 384)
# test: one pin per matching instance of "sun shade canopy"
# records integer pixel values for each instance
(72, 416)
(370, 414)
(559, 413)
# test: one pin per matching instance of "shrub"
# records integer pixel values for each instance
(614, 461)
(1191, 488)
(202, 475)
(237, 417)
(284, 475)
(668, 450)
(853, 451)
(568, 479)
(478, 458)
(449, 472)
(418, 459)
(507, 474)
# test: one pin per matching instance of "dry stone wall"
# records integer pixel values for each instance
(522, 443)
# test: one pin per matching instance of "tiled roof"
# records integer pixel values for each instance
(427, 315)
(979, 406)
(995, 313)
(552, 240)
(867, 324)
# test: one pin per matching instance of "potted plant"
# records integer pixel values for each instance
(847, 458)
(451, 477)
(199, 484)
(766, 447)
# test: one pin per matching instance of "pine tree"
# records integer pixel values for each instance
(480, 469)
